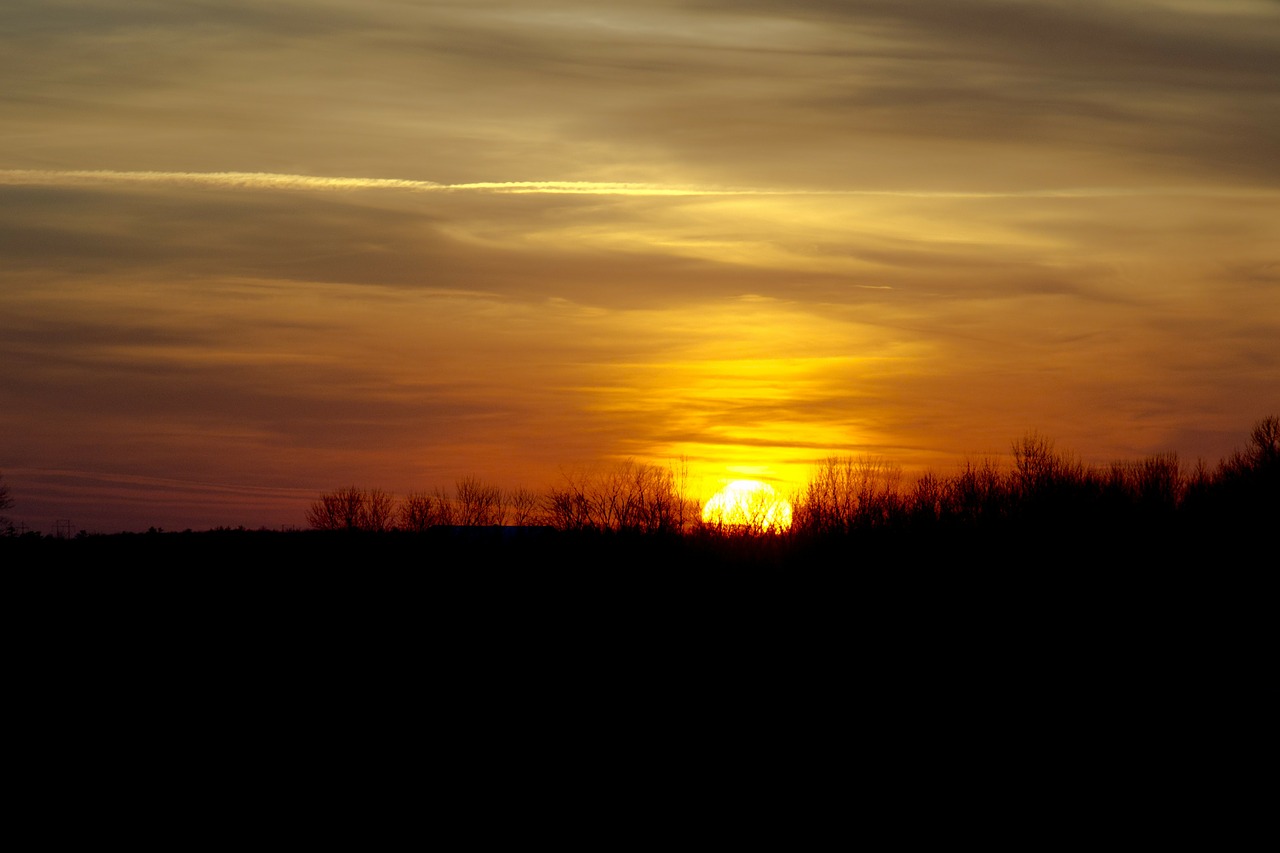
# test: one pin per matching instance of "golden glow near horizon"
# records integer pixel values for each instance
(400, 244)
(749, 505)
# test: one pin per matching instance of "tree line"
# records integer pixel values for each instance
(1043, 485)
(629, 496)
(1040, 484)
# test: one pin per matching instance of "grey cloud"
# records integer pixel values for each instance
(34, 18)
(1092, 40)
(560, 88)
(308, 239)
(79, 374)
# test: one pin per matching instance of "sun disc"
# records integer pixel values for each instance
(748, 505)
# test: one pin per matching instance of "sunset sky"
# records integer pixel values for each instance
(257, 249)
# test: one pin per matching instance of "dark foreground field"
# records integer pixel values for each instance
(1158, 603)
(338, 679)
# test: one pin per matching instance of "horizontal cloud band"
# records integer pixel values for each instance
(269, 180)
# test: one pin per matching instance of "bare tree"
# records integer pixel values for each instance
(5, 501)
(845, 493)
(379, 510)
(1152, 483)
(626, 496)
(420, 511)
(446, 511)
(928, 497)
(1260, 454)
(478, 504)
(978, 491)
(1247, 484)
(352, 508)
(524, 506)
(336, 510)
(567, 506)
(1040, 471)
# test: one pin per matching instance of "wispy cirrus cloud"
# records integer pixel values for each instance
(321, 183)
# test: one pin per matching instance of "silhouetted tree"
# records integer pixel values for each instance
(567, 507)
(523, 506)
(420, 511)
(379, 511)
(978, 492)
(5, 503)
(415, 512)
(1262, 453)
(928, 498)
(1039, 471)
(352, 509)
(627, 496)
(845, 493)
(336, 510)
(477, 504)
(1247, 485)
(1152, 485)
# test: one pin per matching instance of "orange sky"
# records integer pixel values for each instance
(255, 251)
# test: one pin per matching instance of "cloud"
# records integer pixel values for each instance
(320, 183)
(859, 95)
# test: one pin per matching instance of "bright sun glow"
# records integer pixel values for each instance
(748, 504)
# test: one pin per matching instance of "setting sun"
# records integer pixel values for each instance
(748, 504)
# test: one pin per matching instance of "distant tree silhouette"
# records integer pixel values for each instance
(477, 504)
(628, 496)
(352, 509)
(1153, 485)
(1261, 455)
(337, 510)
(847, 493)
(1040, 473)
(420, 511)
(415, 512)
(567, 506)
(978, 492)
(5, 502)
(928, 498)
(380, 510)
(524, 506)
(1247, 485)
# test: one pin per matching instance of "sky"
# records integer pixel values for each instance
(253, 251)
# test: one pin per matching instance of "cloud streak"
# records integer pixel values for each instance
(316, 183)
